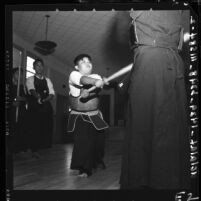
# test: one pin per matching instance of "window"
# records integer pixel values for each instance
(29, 67)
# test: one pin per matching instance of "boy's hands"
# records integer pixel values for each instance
(98, 84)
(84, 93)
(105, 81)
(101, 83)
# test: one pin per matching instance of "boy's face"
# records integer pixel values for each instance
(84, 66)
(38, 67)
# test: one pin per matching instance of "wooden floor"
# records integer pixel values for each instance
(52, 171)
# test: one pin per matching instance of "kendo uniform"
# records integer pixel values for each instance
(40, 115)
(156, 150)
(20, 130)
(89, 139)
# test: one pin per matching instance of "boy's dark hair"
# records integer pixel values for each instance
(80, 57)
(37, 60)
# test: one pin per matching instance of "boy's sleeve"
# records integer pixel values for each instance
(75, 77)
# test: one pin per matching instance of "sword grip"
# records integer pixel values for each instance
(116, 75)
(92, 88)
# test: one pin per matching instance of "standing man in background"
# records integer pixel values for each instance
(20, 142)
(156, 150)
(41, 92)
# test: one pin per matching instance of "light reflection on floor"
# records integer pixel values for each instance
(52, 171)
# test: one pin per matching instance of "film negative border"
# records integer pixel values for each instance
(193, 106)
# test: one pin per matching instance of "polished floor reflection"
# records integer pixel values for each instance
(52, 172)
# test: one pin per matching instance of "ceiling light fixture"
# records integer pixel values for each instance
(45, 47)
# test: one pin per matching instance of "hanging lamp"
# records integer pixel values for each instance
(45, 47)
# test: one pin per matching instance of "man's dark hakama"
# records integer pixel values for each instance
(41, 117)
(156, 146)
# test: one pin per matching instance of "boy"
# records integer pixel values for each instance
(85, 120)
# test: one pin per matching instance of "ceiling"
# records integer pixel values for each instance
(102, 34)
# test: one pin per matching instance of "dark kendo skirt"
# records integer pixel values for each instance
(89, 139)
(156, 150)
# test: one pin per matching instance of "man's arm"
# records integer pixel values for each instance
(51, 91)
(31, 89)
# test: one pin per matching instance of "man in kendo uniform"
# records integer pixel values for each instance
(41, 92)
(156, 150)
